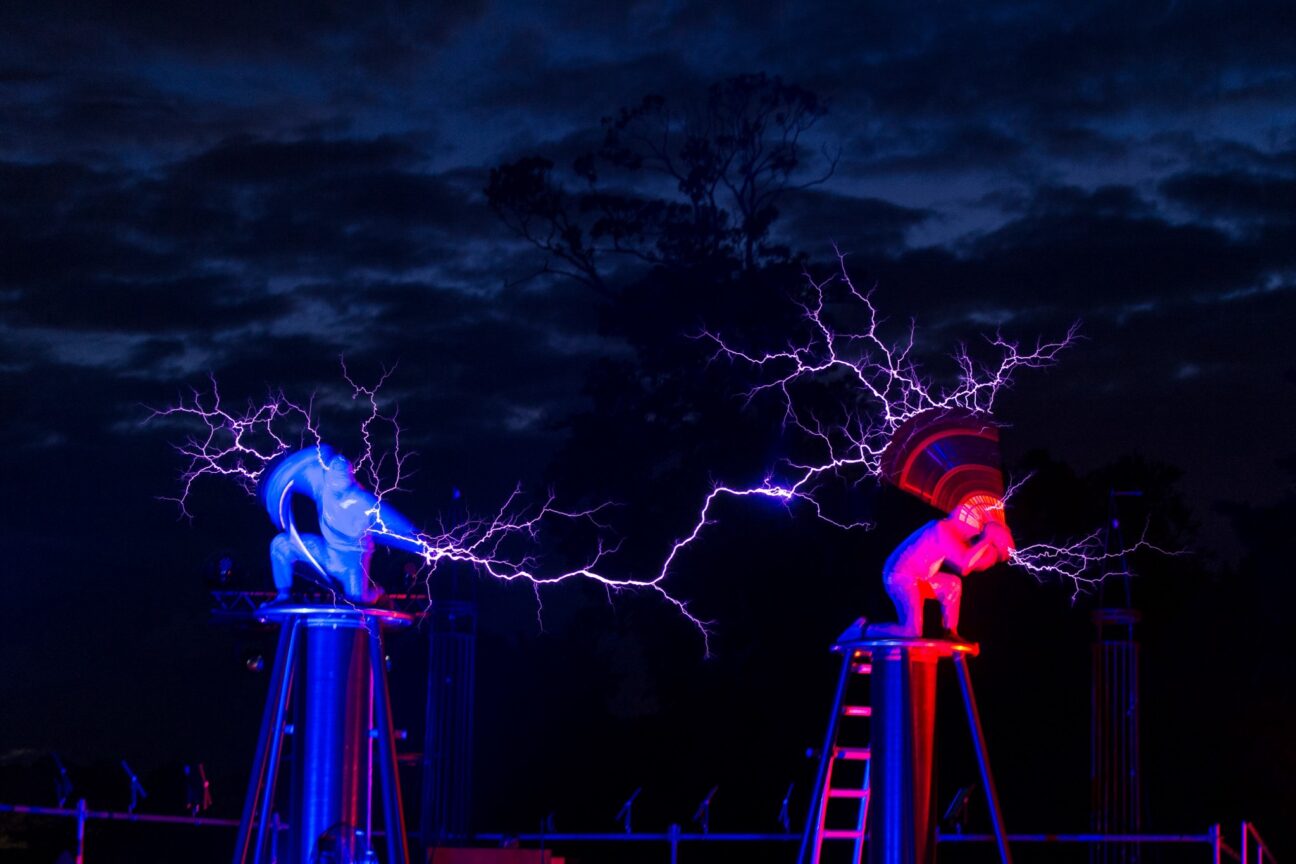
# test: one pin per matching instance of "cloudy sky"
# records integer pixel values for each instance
(189, 192)
(250, 190)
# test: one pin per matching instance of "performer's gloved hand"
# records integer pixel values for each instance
(1001, 539)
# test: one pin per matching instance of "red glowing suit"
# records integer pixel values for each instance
(931, 562)
(950, 459)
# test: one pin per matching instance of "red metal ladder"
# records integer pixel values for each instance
(847, 741)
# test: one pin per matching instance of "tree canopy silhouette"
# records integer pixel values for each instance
(726, 162)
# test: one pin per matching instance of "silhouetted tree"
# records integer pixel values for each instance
(729, 160)
(669, 220)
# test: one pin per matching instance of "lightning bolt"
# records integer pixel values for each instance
(884, 386)
(236, 444)
(240, 444)
(1084, 563)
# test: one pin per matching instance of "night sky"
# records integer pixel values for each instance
(251, 191)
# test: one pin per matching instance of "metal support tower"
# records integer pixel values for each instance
(1116, 802)
(896, 820)
(448, 735)
(330, 670)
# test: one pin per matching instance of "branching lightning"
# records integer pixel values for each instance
(234, 444)
(885, 386)
(1085, 563)
(239, 445)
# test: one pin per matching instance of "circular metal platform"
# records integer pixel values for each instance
(938, 647)
(331, 615)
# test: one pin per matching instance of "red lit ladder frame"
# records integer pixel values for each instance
(858, 662)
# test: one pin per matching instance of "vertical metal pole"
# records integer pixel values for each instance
(674, 843)
(330, 736)
(397, 851)
(901, 816)
(983, 756)
(371, 731)
(1217, 856)
(816, 792)
(271, 727)
(82, 815)
(1243, 847)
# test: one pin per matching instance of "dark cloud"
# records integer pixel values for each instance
(815, 219)
(128, 306)
(1244, 196)
(1082, 253)
(561, 88)
(938, 151)
(246, 29)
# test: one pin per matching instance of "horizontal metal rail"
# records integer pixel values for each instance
(112, 816)
(637, 837)
(694, 837)
(1080, 838)
(1252, 849)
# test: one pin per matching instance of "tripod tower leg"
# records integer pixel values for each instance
(393, 807)
(265, 767)
(983, 756)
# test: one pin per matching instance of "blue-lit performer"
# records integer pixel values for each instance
(351, 520)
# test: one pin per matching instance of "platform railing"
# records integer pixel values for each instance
(1251, 848)
(674, 837)
(83, 814)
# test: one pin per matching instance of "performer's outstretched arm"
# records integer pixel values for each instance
(391, 528)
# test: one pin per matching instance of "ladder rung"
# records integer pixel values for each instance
(856, 753)
(857, 711)
(843, 835)
(848, 793)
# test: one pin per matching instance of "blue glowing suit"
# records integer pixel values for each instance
(351, 520)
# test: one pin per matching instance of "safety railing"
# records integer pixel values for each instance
(1251, 848)
(1212, 840)
(83, 814)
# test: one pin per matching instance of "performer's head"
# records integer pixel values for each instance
(978, 509)
(338, 473)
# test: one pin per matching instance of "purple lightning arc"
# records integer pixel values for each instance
(887, 388)
(241, 444)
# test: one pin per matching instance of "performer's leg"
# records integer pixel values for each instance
(353, 575)
(372, 591)
(282, 556)
(948, 589)
(906, 594)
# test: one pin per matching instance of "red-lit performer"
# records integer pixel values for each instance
(931, 563)
(950, 459)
